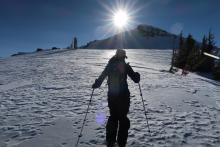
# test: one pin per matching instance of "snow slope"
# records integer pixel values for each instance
(43, 98)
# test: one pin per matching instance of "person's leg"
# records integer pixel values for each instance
(124, 125)
(124, 122)
(111, 130)
(112, 124)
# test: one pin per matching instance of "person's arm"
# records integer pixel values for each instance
(98, 82)
(135, 76)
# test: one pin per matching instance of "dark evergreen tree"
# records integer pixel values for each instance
(72, 45)
(204, 44)
(211, 42)
(190, 52)
(186, 48)
(179, 60)
(173, 54)
(202, 59)
(216, 70)
(190, 55)
(181, 41)
(194, 58)
(75, 43)
(207, 63)
(190, 44)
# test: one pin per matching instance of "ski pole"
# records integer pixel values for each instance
(80, 134)
(145, 112)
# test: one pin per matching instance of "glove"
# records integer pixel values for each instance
(137, 77)
(96, 84)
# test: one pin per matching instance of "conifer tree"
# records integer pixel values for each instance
(208, 44)
(75, 43)
(72, 45)
(204, 45)
(216, 70)
(190, 51)
(173, 54)
(211, 42)
(179, 62)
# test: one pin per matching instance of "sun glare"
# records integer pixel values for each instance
(121, 19)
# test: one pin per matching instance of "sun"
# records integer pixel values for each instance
(121, 19)
(121, 16)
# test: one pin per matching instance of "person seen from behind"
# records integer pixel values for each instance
(117, 71)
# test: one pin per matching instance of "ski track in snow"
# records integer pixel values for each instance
(37, 89)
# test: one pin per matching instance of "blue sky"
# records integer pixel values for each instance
(29, 24)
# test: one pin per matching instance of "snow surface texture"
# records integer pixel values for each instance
(44, 96)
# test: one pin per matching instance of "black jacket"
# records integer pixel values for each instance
(117, 71)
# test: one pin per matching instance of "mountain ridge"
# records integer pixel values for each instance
(142, 37)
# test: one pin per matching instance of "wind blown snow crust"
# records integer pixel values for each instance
(44, 96)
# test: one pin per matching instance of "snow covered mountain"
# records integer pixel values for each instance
(143, 37)
(44, 96)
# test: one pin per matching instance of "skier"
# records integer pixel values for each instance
(118, 97)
